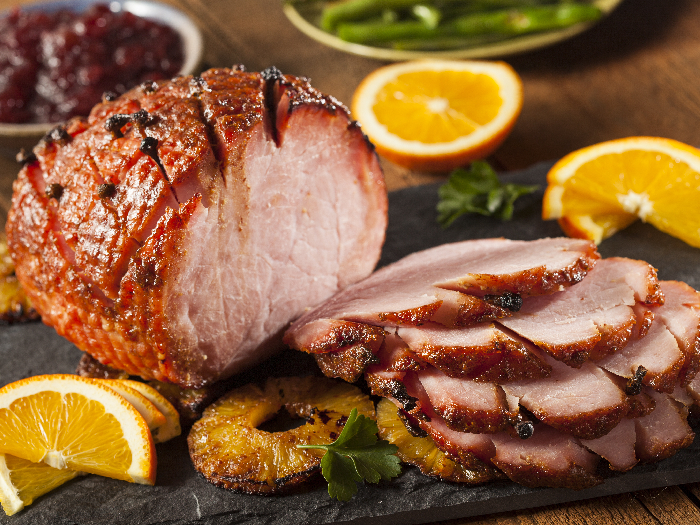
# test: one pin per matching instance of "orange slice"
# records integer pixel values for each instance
(153, 417)
(22, 481)
(170, 428)
(596, 191)
(77, 423)
(436, 115)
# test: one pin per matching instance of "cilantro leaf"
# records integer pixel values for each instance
(477, 190)
(357, 455)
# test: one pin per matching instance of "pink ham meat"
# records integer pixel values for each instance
(421, 286)
(657, 352)
(541, 394)
(664, 431)
(593, 318)
(177, 231)
(468, 406)
(647, 438)
(547, 459)
(484, 352)
(456, 284)
(681, 315)
(617, 446)
(585, 402)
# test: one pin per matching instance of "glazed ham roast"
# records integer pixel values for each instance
(530, 359)
(177, 231)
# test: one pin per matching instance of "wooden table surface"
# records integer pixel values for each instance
(636, 73)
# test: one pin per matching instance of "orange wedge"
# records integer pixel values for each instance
(22, 481)
(76, 423)
(596, 191)
(437, 115)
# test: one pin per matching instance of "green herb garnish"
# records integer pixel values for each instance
(357, 455)
(477, 190)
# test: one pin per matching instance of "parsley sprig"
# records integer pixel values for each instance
(477, 190)
(357, 455)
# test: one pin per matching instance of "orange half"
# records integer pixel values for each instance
(437, 115)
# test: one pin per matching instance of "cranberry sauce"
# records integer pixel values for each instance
(54, 66)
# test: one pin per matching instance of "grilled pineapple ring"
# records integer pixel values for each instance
(229, 450)
(422, 451)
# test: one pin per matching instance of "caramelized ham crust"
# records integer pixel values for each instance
(176, 232)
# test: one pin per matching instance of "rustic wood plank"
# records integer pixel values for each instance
(670, 506)
(612, 510)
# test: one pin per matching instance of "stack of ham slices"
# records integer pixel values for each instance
(533, 359)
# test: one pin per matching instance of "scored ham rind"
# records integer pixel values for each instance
(184, 256)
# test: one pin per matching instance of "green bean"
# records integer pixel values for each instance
(350, 10)
(508, 22)
(334, 13)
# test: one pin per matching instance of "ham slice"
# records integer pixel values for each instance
(584, 402)
(681, 315)
(595, 317)
(664, 431)
(548, 459)
(423, 285)
(484, 352)
(468, 406)
(657, 352)
(617, 446)
(580, 373)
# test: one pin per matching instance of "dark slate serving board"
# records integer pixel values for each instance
(182, 497)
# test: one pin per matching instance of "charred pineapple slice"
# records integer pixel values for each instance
(422, 452)
(14, 305)
(229, 450)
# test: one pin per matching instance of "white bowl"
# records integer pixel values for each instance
(15, 136)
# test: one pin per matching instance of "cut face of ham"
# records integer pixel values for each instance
(187, 238)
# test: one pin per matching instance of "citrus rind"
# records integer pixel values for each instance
(171, 426)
